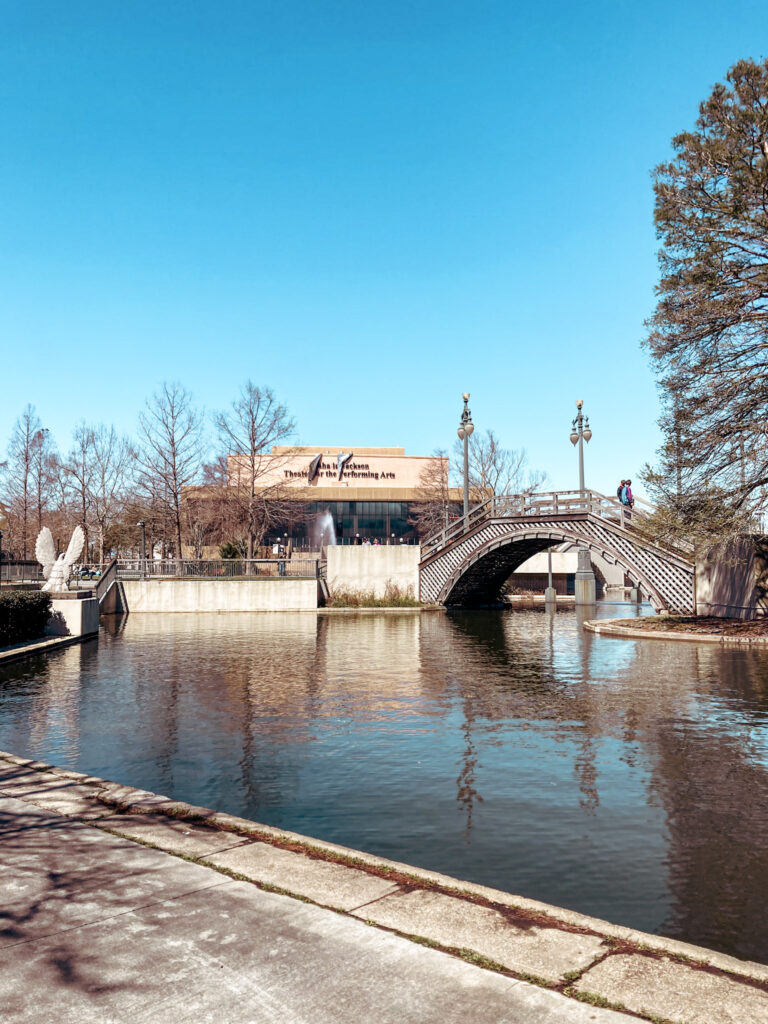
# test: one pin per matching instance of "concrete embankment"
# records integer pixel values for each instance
(45, 645)
(623, 628)
(267, 925)
(171, 595)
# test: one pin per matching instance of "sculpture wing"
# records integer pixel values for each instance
(75, 546)
(45, 550)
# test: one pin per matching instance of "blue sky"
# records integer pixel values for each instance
(370, 207)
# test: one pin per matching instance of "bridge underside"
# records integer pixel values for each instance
(481, 584)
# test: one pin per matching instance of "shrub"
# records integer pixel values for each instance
(23, 615)
(231, 549)
(394, 597)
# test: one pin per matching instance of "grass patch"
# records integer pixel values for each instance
(394, 596)
(594, 1000)
(699, 624)
(572, 975)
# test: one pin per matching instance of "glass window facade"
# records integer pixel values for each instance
(376, 520)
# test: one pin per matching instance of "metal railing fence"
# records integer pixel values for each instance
(16, 571)
(218, 569)
(98, 576)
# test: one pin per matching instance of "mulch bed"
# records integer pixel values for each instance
(702, 624)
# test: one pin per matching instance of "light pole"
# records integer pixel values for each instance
(465, 429)
(550, 595)
(580, 433)
(142, 526)
(585, 577)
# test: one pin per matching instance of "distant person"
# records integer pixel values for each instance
(626, 499)
(620, 491)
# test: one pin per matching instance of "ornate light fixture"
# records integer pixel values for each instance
(580, 432)
(465, 430)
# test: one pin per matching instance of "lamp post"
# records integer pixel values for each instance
(142, 526)
(465, 429)
(580, 433)
(585, 577)
(550, 594)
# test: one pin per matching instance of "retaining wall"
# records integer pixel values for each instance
(219, 595)
(368, 567)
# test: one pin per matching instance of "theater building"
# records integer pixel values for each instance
(368, 492)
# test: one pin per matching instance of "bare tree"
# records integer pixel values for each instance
(26, 437)
(41, 478)
(431, 508)
(170, 452)
(112, 461)
(494, 469)
(254, 424)
(79, 469)
(60, 513)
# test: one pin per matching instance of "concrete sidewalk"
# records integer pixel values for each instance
(97, 926)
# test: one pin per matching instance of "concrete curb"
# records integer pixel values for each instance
(127, 800)
(612, 627)
(26, 650)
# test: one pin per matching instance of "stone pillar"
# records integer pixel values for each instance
(550, 596)
(585, 579)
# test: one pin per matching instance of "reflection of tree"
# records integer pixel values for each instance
(467, 790)
(712, 782)
(503, 675)
(585, 770)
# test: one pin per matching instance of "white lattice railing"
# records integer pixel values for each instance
(538, 504)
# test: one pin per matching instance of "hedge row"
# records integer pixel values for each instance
(23, 615)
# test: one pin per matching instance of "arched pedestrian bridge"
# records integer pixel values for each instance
(467, 563)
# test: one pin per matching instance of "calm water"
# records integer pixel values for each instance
(624, 779)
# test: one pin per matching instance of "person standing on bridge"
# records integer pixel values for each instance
(626, 498)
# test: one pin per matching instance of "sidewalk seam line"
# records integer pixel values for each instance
(353, 910)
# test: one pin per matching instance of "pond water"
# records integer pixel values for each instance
(625, 779)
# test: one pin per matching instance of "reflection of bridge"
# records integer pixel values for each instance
(467, 563)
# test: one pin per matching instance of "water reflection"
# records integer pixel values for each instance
(625, 779)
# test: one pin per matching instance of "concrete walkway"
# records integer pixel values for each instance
(111, 913)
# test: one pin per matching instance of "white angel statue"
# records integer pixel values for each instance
(56, 570)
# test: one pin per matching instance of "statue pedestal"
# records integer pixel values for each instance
(73, 613)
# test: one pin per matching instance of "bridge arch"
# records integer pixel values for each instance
(479, 576)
